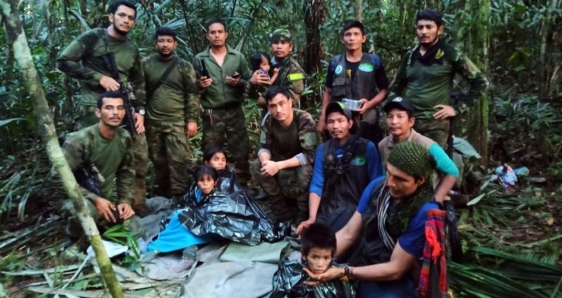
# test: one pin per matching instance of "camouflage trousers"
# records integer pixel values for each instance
(87, 117)
(169, 152)
(74, 228)
(287, 191)
(437, 130)
(228, 126)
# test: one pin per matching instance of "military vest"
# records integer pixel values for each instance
(363, 84)
(346, 191)
(372, 249)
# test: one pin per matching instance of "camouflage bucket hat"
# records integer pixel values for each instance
(281, 35)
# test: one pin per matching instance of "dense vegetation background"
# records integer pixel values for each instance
(512, 239)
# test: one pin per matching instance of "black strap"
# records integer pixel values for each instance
(163, 77)
(453, 231)
(344, 162)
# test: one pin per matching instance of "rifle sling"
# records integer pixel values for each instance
(163, 77)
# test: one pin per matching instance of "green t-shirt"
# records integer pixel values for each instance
(112, 157)
(221, 94)
(177, 98)
(300, 138)
(83, 60)
(428, 86)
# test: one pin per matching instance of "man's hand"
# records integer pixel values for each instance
(444, 112)
(191, 129)
(125, 211)
(105, 209)
(259, 78)
(330, 274)
(205, 82)
(269, 168)
(233, 81)
(364, 107)
(139, 123)
(304, 225)
(109, 84)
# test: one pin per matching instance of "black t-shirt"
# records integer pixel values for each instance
(351, 68)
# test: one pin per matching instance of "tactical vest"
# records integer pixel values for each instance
(351, 183)
(372, 249)
(363, 84)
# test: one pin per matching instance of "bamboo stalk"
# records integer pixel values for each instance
(17, 38)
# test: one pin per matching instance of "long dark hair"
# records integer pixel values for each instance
(255, 60)
(209, 153)
(201, 171)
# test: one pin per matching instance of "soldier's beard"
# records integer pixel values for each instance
(166, 56)
(119, 31)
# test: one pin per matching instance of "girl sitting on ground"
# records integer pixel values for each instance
(176, 236)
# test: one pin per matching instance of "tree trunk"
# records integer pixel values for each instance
(358, 10)
(477, 50)
(542, 71)
(16, 37)
(314, 15)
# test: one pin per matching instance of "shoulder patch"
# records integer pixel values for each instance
(296, 76)
(358, 161)
(366, 67)
(339, 69)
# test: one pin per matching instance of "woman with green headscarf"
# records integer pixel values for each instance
(389, 226)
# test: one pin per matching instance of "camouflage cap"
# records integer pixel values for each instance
(281, 35)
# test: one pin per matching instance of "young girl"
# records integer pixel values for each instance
(176, 236)
(227, 182)
(260, 62)
(215, 158)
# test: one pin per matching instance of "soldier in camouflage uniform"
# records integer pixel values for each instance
(83, 60)
(290, 75)
(222, 95)
(289, 139)
(172, 110)
(107, 147)
(426, 77)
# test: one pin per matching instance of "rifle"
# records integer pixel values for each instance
(129, 121)
(204, 71)
(457, 254)
(89, 177)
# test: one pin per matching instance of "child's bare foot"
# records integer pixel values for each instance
(183, 264)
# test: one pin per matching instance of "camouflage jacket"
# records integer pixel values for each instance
(300, 139)
(428, 86)
(82, 60)
(177, 99)
(113, 158)
(291, 76)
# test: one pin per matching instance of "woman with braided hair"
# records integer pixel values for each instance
(389, 226)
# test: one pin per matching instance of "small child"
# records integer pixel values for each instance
(260, 62)
(206, 178)
(318, 247)
(176, 236)
(317, 253)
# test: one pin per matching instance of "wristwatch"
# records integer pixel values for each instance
(142, 112)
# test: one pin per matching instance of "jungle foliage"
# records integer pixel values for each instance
(512, 239)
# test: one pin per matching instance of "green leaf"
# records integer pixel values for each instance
(476, 200)
(5, 122)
